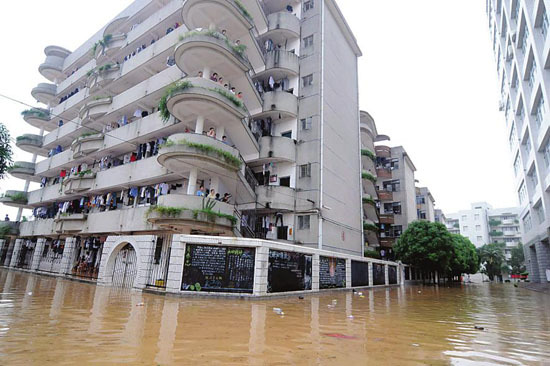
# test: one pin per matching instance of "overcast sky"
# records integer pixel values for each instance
(427, 76)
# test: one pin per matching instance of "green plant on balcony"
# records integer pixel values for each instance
(170, 91)
(35, 112)
(236, 101)
(370, 227)
(165, 210)
(238, 49)
(13, 167)
(206, 148)
(369, 253)
(5, 230)
(496, 233)
(99, 97)
(83, 173)
(17, 197)
(369, 176)
(494, 222)
(243, 9)
(87, 134)
(103, 43)
(369, 200)
(369, 154)
(211, 215)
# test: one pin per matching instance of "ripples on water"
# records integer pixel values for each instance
(47, 321)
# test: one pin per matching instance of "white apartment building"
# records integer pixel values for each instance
(483, 224)
(519, 33)
(175, 100)
(425, 204)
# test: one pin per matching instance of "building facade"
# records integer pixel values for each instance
(519, 30)
(425, 204)
(483, 224)
(219, 119)
(395, 185)
(440, 216)
(369, 134)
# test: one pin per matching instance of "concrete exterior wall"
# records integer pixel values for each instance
(407, 194)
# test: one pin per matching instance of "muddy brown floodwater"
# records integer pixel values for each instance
(49, 321)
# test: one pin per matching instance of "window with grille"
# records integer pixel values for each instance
(305, 171)
(303, 222)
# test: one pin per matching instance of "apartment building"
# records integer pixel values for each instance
(440, 216)
(369, 134)
(225, 118)
(519, 34)
(425, 204)
(483, 224)
(395, 185)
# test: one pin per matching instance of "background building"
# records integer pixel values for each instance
(483, 225)
(440, 216)
(519, 32)
(425, 204)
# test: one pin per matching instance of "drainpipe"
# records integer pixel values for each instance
(321, 142)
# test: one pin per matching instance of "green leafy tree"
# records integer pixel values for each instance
(465, 258)
(5, 150)
(492, 259)
(517, 262)
(426, 245)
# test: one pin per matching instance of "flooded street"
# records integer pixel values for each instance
(48, 321)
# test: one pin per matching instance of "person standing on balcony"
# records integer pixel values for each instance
(212, 194)
(211, 133)
(200, 192)
(7, 218)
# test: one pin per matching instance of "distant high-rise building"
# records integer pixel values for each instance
(519, 32)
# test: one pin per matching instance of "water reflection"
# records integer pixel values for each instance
(48, 321)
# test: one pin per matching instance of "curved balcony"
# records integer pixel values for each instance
(226, 14)
(276, 149)
(31, 144)
(39, 118)
(23, 170)
(371, 239)
(78, 183)
(275, 198)
(14, 199)
(87, 144)
(185, 151)
(106, 47)
(282, 26)
(69, 223)
(95, 109)
(44, 93)
(102, 76)
(206, 48)
(383, 151)
(281, 63)
(185, 213)
(279, 103)
(52, 68)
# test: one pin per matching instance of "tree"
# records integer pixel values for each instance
(426, 245)
(517, 262)
(5, 150)
(464, 259)
(492, 259)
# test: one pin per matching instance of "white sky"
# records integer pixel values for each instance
(427, 76)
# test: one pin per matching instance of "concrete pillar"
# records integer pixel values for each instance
(386, 275)
(410, 273)
(206, 74)
(37, 254)
(199, 125)
(9, 253)
(543, 260)
(348, 273)
(220, 132)
(192, 186)
(532, 263)
(315, 272)
(16, 251)
(215, 183)
(68, 258)
(371, 272)
(175, 268)
(261, 268)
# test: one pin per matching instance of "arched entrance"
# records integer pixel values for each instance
(125, 267)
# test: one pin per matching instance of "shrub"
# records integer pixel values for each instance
(369, 201)
(368, 153)
(369, 176)
(370, 227)
(369, 253)
(170, 91)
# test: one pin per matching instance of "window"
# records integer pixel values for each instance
(515, 79)
(464, 217)
(465, 228)
(540, 112)
(305, 170)
(303, 222)
(479, 239)
(391, 186)
(420, 200)
(421, 215)
(517, 163)
(524, 39)
(544, 24)
(287, 134)
(522, 193)
(478, 227)
(305, 123)
(527, 147)
(158, 250)
(476, 217)
(527, 223)
(307, 80)
(308, 5)
(512, 139)
(539, 212)
(515, 9)
(546, 153)
(532, 73)
(521, 112)
(284, 181)
(533, 178)
(308, 41)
